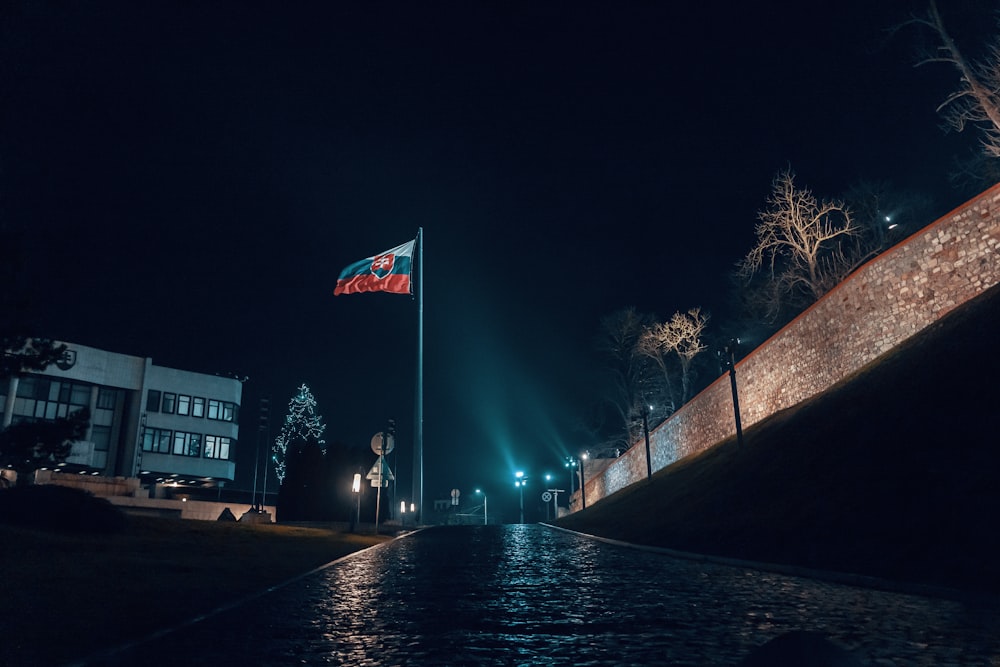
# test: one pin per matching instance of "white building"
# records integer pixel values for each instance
(161, 425)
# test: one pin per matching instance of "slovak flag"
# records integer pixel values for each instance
(388, 271)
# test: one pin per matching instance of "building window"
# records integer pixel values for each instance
(156, 440)
(197, 407)
(222, 410)
(48, 399)
(217, 447)
(183, 405)
(106, 399)
(187, 444)
(153, 401)
(169, 402)
(101, 437)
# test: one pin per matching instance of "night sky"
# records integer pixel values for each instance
(192, 177)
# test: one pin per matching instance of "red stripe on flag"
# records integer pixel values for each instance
(395, 283)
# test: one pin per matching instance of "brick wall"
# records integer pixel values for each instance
(882, 304)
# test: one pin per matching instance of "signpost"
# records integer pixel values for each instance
(380, 475)
(552, 495)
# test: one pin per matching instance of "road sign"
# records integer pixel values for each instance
(380, 475)
(390, 442)
(546, 497)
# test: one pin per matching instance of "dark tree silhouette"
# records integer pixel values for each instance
(27, 446)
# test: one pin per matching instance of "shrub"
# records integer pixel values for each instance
(60, 508)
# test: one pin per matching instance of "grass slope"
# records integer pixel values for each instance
(68, 594)
(891, 473)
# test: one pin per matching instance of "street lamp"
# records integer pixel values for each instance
(646, 409)
(583, 482)
(356, 488)
(485, 510)
(572, 464)
(554, 493)
(520, 481)
(728, 358)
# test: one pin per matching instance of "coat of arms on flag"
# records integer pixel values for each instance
(387, 271)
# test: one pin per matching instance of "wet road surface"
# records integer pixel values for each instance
(532, 595)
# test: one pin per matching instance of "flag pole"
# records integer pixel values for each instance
(418, 448)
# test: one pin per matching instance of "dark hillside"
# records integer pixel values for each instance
(894, 473)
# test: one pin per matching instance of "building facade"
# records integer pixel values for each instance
(161, 425)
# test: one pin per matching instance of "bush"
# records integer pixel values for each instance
(60, 508)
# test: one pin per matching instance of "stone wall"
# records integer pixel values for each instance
(883, 303)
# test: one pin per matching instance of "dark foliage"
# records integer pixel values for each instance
(27, 446)
(305, 492)
(20, 353)
(60, 508)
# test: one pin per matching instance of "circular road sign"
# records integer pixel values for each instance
(390, 442)
(546, 497)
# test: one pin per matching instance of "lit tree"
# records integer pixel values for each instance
(803, 246)
(976, 102)
(302, 428)
(678, 338)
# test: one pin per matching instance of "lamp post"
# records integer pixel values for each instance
(646, 409)
(356, 488)
(485, 510)
(571, 463)
(548, 482)
(728, 358)
(583, 482)
(520, 481)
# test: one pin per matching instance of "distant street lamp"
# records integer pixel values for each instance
(583, 482)
(485, 511)
(520, 481)
(728, 358)
(572, 464)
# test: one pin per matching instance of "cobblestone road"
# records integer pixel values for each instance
(531, 595)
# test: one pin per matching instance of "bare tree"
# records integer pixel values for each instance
(976, 102)
(678, 338)
(803, 244)
(627, 370)
(657, 343)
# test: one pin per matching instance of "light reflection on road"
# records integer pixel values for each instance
(529, 595)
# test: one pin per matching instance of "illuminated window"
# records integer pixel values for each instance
(197, 407)
(169, 402)
(49, 399)
(222, 411)
(217, 447)
(183, 405)
(156, 440)
(187, 444)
